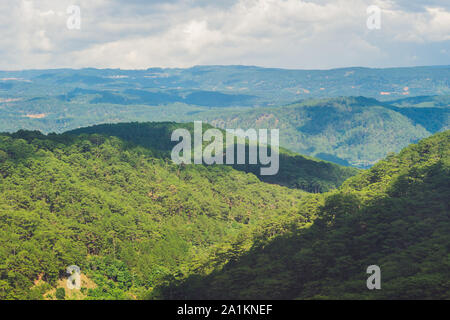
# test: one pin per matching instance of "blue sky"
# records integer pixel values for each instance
(137, 34)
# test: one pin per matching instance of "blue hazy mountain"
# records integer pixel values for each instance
(351, 116)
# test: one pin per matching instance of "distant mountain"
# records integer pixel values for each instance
(394, 216)
(385, 109)
(269, 86)
(442, 101)
(347, 130)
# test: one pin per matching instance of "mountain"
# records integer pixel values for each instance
(65, 99)
(354, 131)
(295, 170)
(109, 200)
(395, 215)
(141, 227)
(352, 116)
(437, 101)
(126, 217)
(432, 113)
(264, 86)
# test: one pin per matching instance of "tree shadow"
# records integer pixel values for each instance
(404, 230)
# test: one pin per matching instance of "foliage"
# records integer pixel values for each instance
(395, 215)
(127, 218)
(60, 294)
(354, 130)
(296, 171)
(142, 227)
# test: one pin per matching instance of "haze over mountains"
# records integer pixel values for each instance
(248, 85)
(387, 109)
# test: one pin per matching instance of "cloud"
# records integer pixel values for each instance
(182, 33)
(418, 5)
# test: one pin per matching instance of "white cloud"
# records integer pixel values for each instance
(430, 25)
(276, 33)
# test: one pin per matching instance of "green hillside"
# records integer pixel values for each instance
(129, 219)
(395, 215)
(350, 130)
(140, 227)
(296, 171)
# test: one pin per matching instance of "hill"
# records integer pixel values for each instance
(383, 110)
(109, 199)
(128, 218)
(354, 131)
(395, 216)
(140, 226)
(230, 85)
(296, 171)
(65, 99)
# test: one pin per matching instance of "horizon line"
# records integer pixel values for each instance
(226, 66)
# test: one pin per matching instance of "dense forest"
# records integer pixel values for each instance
(296, 171)
(395, 215)
(129, 218)
(110, 201)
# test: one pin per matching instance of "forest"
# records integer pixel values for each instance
(395, 215)
(140, 227)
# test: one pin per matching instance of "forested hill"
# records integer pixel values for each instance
(141, 227)
(355, 131)
(129, 219)
(296, 171)
(395, 215)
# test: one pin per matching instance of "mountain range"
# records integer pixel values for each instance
(352, 116)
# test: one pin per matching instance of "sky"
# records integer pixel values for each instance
(295, 34)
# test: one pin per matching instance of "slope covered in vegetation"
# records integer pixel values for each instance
(129, 219)
(296, 171)
(141, 227)
(395, 215)
(350, 130)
